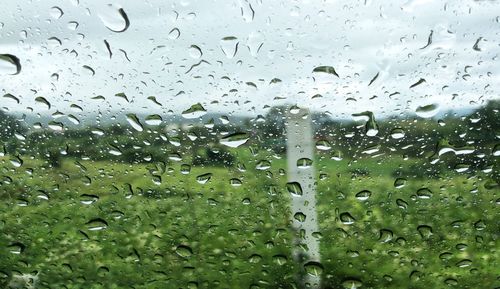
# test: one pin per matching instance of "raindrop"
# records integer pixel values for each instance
(153, 120)
(174, 33)
(263, 165)
(114, 18)
(397, 133)
(294, 188)
(195, 51)
(363, 195)
(87, 199)
(323, 145)
(56, 12)
(351, 283)
(279, 259)
(16, 248)
(464, 263)
(304, 163)
(204, 178)
(96, 224)
(9, 64)
(313, 268)
(346, 218)
(425, 231)
(299, 216)
(229, 46)
(424, 193)
(402, 204)
(134, 122)
(427, 111)
(399, 183)
(73, 25)
(184, 251)
(89, 69)
(195, 111)
(235, 140)
(326, 69)
(185, 169)
(235, 182)
(385, 235)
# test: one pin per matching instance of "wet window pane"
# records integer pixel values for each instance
(249, 144)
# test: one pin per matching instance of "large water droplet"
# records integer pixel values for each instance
(134, 122)
(363, 195)
(294, 188)
(195, 51)
(56, 12)
(9, 64)
(174, 33)
(195, 111)
(96, 224)
(204, 178)
(346, 218)
(114, 18)
(351, 283)
(326, 69)
(235, 140)
(313, 268)
(184, 251)
(427, 111)
(229, 46)
(304, 163)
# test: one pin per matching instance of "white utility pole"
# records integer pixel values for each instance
(300, 156)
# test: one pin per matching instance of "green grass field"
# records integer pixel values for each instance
(113, 225)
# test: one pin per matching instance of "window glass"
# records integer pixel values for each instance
(249, 144)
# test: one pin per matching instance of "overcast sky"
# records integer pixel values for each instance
(275, 39)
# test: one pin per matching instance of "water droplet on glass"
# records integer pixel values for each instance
(195, 111)
(204, 178)
(363, 195)
(399, 183)
(346, 218)
(299, 216)
(326, 69)
(397, 133)
(427, 111)
(184, 251)
(114, 18)
(313, 268)
(134, 122)
(9, 64)
(304, 163)
(425, 231)
(229, 46)
(153, 120)
(96, 224)
(352, 283)
(56, 12)
(235, 182)
(323, 145)
(87, 199)
(235, 140)
(294, 188)
(385, 235)
(424, 193)
(16, 248)
(464, 263)
(42, 100)
(174, 33)
(195, 51)
(263, 165)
